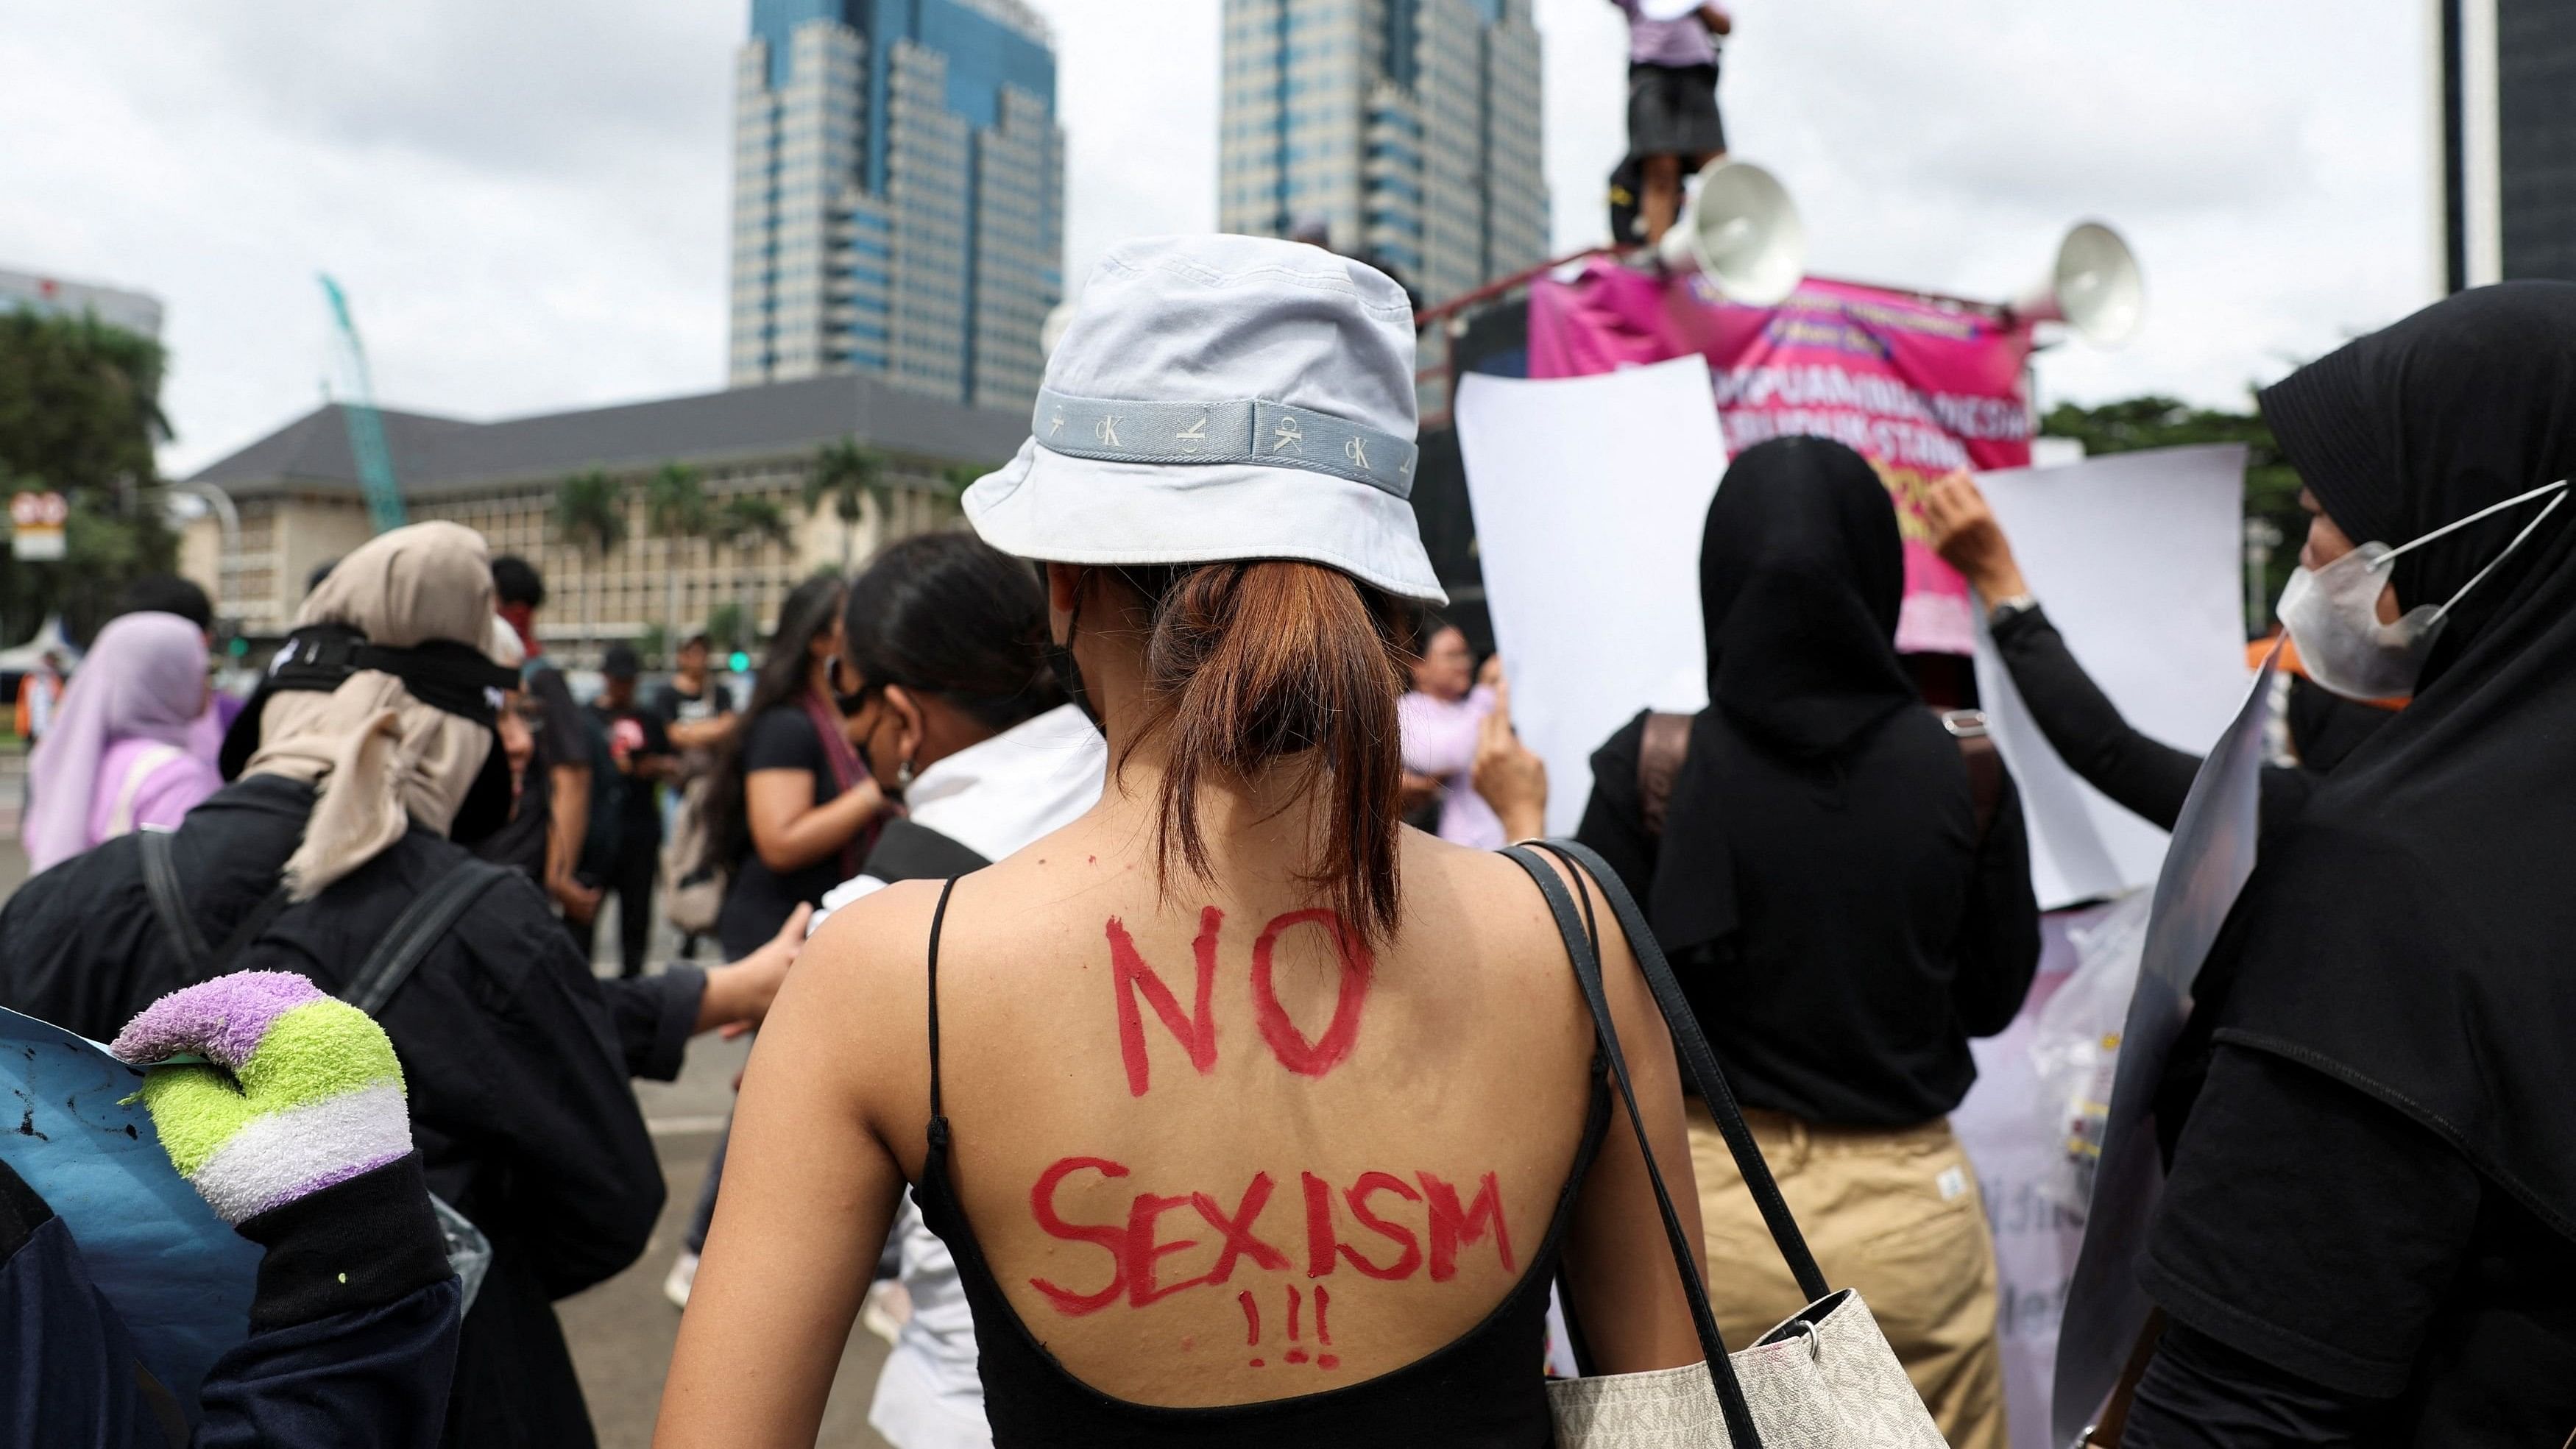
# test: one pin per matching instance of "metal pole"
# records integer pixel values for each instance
(228, 518)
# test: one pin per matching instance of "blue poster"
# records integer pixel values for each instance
(72, 1125)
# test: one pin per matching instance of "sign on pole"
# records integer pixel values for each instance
(36, 526)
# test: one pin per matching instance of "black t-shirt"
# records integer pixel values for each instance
(2328, 1263)
(560, 738)
(1864, 958)
(760, 900)
(673, 705)
(636, 733)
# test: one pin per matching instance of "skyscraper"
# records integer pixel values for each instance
(1410, 126)
(898, 205)
(2507, 149)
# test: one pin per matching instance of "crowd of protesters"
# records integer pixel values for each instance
(1152, 714)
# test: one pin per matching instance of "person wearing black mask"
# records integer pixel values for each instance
(2136, 771)
(1845, 905)
(2368, 1232)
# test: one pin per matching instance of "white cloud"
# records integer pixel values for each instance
(527, 201)
(2270, 163)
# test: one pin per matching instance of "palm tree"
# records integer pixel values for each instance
(590, 514)
(844, 474)
(746, 521)
(743, 523)
(676, 506)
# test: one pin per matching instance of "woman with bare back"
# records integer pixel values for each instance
(1249, 1117)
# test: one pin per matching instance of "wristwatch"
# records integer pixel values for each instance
(2003, 611)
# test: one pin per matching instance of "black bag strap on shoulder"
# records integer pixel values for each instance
(906, 851)
(428, 918)
(1740, 1429)
(1700, 1070)
(1664, 745)
(161, 882)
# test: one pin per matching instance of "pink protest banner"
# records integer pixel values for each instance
(1916, 387)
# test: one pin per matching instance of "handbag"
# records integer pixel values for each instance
(1824, 1377)
(693, 880)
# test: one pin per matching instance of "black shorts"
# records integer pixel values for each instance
(1672, 111)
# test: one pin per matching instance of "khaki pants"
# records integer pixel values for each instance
(1894, 1214)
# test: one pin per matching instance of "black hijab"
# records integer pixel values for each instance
(1801, 576)
(2414, 935)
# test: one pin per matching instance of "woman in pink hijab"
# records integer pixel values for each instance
(117, 757)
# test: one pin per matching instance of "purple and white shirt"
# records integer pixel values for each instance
(1683, 42)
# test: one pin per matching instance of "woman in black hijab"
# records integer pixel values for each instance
(2368, 1234)
(1843, 922)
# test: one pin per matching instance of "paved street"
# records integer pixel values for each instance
(622, 1330)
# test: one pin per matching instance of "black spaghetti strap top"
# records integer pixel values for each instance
(1483, 1390)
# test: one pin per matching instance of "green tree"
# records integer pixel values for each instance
(747, 521)
(728, 627)
(590, 514)
(2271, 484)
(743, 523)
(80, 411)
(848, 475)
(677, 508)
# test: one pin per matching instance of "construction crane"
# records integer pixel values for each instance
(366, 425)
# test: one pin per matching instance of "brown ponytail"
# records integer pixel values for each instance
(1250, 665)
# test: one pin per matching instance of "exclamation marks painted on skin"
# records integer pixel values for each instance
(1296, 1304)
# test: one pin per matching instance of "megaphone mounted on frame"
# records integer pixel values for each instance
(2095, 287)
(1742, 232)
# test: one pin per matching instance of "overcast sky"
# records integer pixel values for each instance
(526, 201)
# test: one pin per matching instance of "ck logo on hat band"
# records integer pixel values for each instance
(1251, 431)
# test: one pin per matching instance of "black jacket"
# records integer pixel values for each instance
(511, 1053)
(1869, 947)
(335, 1359)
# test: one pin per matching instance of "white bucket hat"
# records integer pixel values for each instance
(1220, 398)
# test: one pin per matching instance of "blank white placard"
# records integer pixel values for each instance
(1590, 494)
(2138, 559)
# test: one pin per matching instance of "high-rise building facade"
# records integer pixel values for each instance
(1411, 127)
(2506, 70)
(898, 204)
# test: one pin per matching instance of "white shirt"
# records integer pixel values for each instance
(995, 798)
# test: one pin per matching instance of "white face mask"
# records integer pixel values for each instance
(2332, 613)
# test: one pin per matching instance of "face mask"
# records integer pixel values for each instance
(2332, 613)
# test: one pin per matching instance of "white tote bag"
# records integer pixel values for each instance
(1825, 1379)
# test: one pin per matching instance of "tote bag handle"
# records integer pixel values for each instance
(1698, 1060)
(1576, 931)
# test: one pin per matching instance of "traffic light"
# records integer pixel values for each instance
(237, 647)
(740, 662)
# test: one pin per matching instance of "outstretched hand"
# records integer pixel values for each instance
(737, 996)
(298, 1091)
(1965, 533)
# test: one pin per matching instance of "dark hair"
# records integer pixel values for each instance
(620, 661)
(695, 641)
(320, 572)
(1264, 663)
(948, 614)
(780, 680)
(516, 581)
(166, 594)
